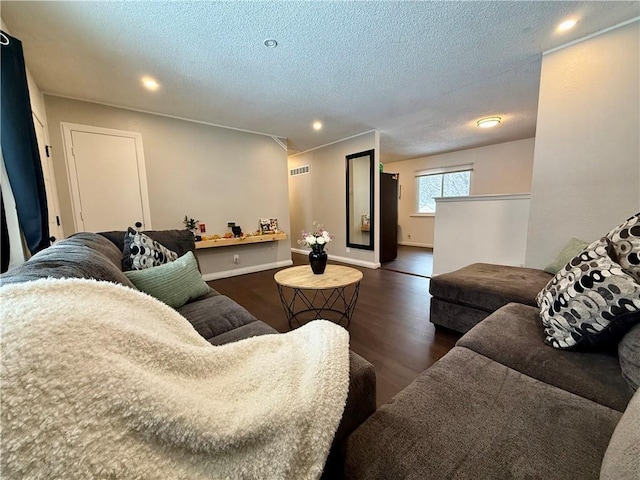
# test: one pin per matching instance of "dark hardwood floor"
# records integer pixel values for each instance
(412, 260)
(390, 326)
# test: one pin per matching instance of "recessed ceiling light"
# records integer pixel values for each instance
(150, 83)
(488, 122)
(270, 42)
(567, 25)
(317, 125)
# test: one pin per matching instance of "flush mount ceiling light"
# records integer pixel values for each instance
(270, 43)
(488, 122)
(150, 84)
(317, 125)
(566, 25)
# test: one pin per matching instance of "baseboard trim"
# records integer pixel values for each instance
(207, 277)
(415, 244)
(347, 260)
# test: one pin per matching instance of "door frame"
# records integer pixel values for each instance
(72, 174)
(52, 193)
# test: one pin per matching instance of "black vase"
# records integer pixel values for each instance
(318, 261)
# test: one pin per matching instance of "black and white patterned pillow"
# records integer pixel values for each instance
(626, 246)
(141, 251)
(589, 301)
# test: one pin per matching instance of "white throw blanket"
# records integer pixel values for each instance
(102, 381)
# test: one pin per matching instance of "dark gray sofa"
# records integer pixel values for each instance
(216, 317)
(503, 405)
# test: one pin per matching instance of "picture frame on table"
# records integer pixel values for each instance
(268, 225)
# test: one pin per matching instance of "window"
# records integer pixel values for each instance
(441, 182)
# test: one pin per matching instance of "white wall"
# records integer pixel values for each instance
(210, 173)
(485, 228)
(321, 196)
(497, 169)
(586, 176)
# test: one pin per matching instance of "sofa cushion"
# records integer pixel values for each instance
(248, 330)
(173, 283)
(570, 250)
(622, 458)
(625, 240)
(69, 258)
(590, 301)
(98, 243)
(214, 315)
(141, 251)
(180, 241)
(629, 354)
(454, 316)
(468, 417)
(488, 287)
(514, 337)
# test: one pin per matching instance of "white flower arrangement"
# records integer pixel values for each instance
(316, 240)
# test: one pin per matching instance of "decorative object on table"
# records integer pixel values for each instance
(317, 241)
(366, 222)
(265, 225)
(192, 224)
(268, 225)
(237, 231)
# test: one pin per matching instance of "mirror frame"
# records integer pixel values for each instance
(348, 158)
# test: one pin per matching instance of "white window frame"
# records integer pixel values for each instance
(438, 171)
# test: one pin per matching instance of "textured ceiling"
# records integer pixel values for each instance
(420, 72)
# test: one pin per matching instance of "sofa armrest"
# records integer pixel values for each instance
(361, 400)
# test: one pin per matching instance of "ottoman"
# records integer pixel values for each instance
(463, 298)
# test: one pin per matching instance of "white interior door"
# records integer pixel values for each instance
(53, 206)
(107, 177)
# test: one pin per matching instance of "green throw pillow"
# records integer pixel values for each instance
(173, 283)
(570, 250)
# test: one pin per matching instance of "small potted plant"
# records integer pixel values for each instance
(192, 224)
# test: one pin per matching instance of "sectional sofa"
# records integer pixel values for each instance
(505, 404)
(215, 317)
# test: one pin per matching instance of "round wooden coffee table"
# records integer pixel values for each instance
(331, 296)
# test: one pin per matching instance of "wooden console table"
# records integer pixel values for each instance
(335, 293)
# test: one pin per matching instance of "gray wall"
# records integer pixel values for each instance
(209, 173)
(586, 171)
(321, 195)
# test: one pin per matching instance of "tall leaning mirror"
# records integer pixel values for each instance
(360, 170)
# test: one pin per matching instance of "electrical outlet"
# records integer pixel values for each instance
(236, 258)
(348, 250)
(231, 224)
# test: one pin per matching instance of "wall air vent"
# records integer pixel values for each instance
(294, 172)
